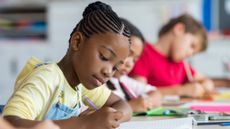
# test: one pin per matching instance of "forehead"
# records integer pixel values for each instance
(136, 45)
(118, 43)
(197, 42)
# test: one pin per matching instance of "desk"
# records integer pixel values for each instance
(141, 118)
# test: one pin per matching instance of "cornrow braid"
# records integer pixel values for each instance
(98, 18)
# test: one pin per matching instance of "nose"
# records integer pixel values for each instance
(107, 71)
(128, 63)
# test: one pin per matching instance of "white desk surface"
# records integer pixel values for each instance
(141, 118)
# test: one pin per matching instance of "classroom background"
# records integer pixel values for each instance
(41, 28)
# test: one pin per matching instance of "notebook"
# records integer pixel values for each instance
(177, 123)
(212, 108)
(163, 111)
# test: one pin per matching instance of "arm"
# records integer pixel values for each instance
(120, 105)
(140, 79)
(72, 123)
(184, 90)
(36, 125)
(220, 82)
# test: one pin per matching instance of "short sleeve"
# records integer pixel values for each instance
(32, 96)
(98, 96)
(138, 87)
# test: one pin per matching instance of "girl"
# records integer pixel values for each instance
(162, 64)
(97, 46)
(140, 96)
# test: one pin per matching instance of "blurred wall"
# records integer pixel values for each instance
(62, 16)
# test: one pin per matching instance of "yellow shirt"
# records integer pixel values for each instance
(36, 89)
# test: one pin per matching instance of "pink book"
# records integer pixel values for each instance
(212, 108)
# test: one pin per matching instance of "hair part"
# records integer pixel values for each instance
(191, 26)
(99, 18)
(134, 31)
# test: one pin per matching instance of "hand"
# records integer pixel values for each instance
(155, 99)
(193, 89)
(104, 118)
(140, 104)
(208, 85)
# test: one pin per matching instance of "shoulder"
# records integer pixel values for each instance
(46, 75)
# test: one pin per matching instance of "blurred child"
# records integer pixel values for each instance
(97, 46)
(163, 65)
(140, 96)
(44, 125)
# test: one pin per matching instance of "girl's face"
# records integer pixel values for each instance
(184, 45)
(98, 57)
(135, 52)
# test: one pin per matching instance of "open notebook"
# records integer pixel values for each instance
(177, 123)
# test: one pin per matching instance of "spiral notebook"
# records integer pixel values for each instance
(176, 123)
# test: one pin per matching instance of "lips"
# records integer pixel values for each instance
(99, 80)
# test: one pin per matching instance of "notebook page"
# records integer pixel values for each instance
(177, 123)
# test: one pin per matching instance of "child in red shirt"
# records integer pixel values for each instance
(162, 64)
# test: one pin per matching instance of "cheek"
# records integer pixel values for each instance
(131, 66)
(177, 54)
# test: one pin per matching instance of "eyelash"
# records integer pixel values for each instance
(115, 68)
(103, 57)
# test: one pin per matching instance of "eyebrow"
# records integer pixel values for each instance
(109, 49)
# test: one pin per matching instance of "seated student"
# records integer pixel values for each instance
(55, 91)
(140, 96)
(44, 125)
(163, 65)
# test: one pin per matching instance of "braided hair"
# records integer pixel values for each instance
(99, 18)
(134, 31)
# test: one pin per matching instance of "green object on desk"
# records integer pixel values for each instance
(161, 111)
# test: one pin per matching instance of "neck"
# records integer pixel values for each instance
(163, 45)
(68, 71)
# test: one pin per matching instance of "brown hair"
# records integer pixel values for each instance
(191, 26)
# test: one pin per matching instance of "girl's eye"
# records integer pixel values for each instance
(102, 57)
(115, 68)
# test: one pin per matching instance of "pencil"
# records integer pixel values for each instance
(188, 72)
(90, 103)
(130, 92)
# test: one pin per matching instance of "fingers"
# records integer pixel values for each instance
(118, 115)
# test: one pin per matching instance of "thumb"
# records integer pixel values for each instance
(118, 115)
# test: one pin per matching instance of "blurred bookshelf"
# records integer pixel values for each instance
(23, 23)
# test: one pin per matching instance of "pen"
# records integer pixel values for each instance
(225, 124)
(188, 72)
(90, 103)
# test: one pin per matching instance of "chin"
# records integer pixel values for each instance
(177, 59)
(89, 86)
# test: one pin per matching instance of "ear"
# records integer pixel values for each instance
(76, 41)
(178, 29)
